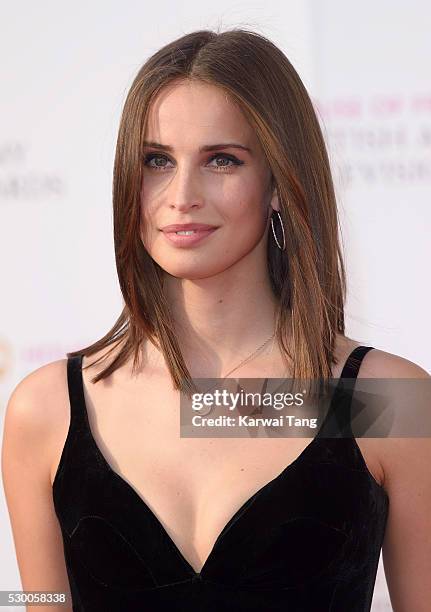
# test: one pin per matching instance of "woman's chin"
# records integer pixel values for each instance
(194, 272)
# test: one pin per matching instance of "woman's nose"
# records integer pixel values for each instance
(185, 190)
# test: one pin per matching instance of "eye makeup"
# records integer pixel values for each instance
(225, 168)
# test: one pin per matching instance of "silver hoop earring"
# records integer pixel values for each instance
(282, 248)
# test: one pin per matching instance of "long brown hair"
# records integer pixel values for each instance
(308, 277)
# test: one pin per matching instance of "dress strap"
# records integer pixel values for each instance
(78, 410)
(337, 422)
(354, 360)
(77, 435)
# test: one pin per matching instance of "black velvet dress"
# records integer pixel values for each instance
(307, 541)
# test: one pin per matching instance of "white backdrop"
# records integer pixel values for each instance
(66, 69)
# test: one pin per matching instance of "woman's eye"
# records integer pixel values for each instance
(157, 158)
(226, 158)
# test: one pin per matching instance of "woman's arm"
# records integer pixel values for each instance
(406, 464)
(407, 544)
(29, 431)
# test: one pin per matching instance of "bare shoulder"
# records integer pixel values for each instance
(397, 454)
(37, 415)
(32, 397)
(37, 406)
(377, 363)
(380, 364)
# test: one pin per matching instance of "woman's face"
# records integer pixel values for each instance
(227, 187)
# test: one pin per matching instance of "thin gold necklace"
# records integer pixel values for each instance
(249, 357)
(242, 362)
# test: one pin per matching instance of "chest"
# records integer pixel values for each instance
(192, 485)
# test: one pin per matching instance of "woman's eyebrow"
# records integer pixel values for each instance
(212, 147)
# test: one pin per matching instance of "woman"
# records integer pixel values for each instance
(217, 130)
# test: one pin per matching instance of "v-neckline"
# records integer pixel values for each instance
(235, 516)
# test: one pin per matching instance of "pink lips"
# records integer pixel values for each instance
(177, 227)
(188, 240)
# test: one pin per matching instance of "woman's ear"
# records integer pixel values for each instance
(274, 203)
